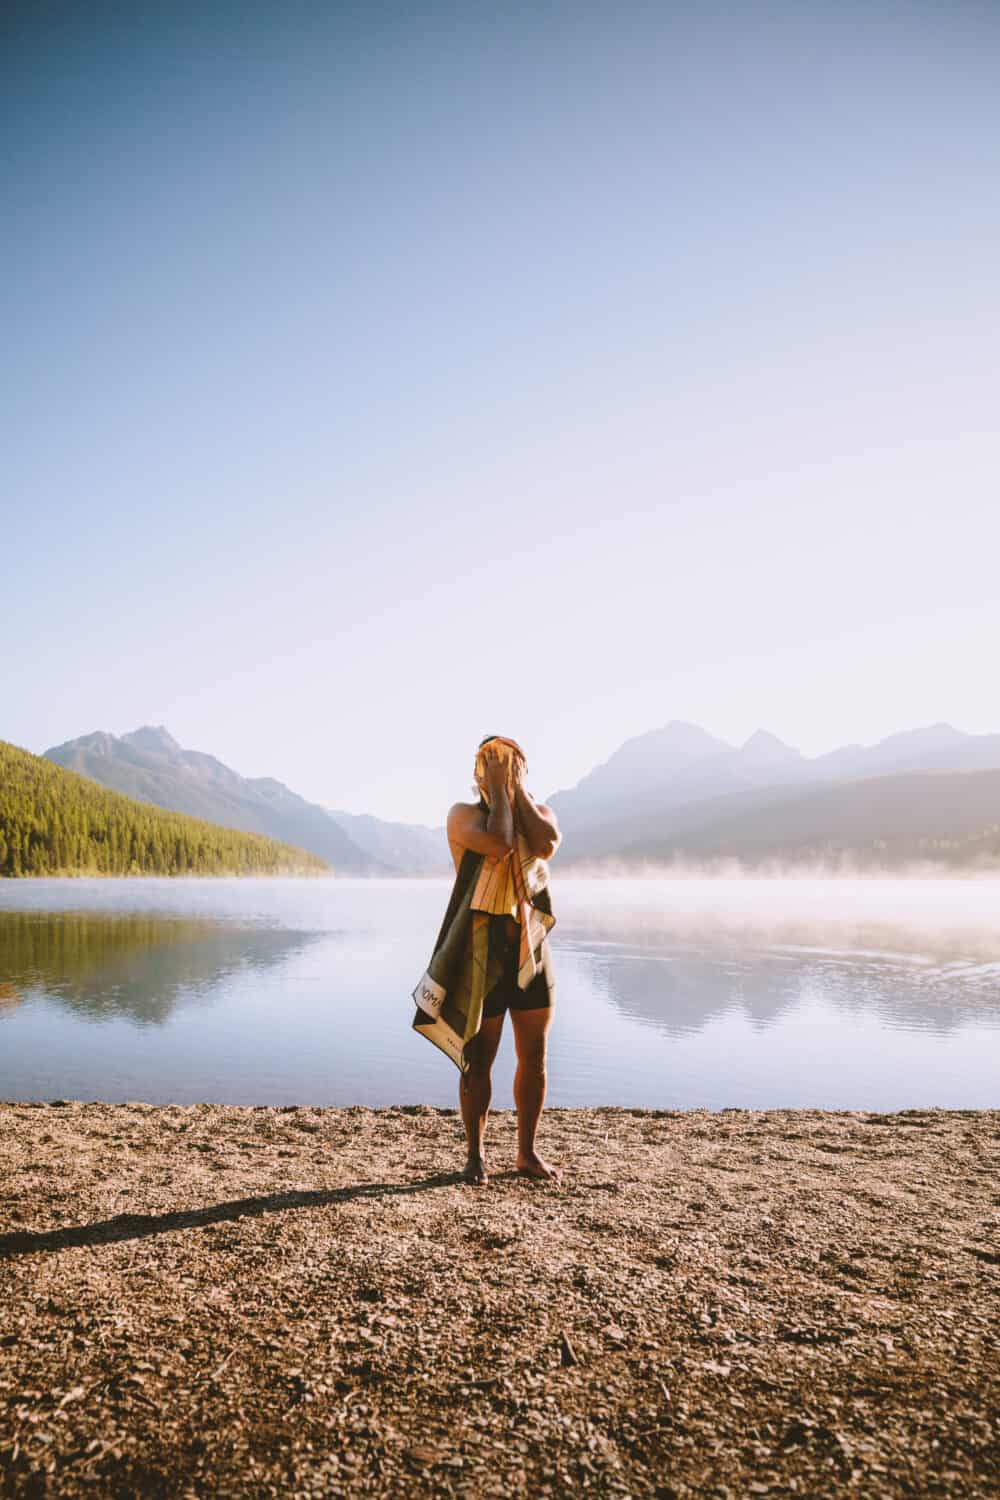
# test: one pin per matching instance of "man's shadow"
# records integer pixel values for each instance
(140, 1226)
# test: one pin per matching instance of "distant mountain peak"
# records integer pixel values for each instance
(100, 742)
(155, 739)
(677, 739)
(685, 735)
(928, 735)
(764, 748)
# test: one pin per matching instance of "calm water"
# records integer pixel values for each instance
(877, 994)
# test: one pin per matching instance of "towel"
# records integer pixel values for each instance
(465, 966)
(505, 887)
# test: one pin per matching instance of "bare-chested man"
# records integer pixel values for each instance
(489, 830)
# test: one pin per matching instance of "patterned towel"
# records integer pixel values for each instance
(465, 966)
(507, 888)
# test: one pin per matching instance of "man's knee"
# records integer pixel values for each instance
(531, 1055)
(480, 1065)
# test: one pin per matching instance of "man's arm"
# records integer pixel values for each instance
(493, 835)
(538, 824)
(468, 828)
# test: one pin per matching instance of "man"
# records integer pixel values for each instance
(492, 953)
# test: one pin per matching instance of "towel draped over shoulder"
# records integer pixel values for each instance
(465, 966)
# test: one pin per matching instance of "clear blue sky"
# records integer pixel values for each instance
(378, 377)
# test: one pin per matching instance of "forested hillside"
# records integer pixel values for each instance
(150, 765)
(53, 822)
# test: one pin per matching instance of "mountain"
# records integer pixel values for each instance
(659, 785)
(157, 741)
(674, 792)
(950, 818)
(657, 773)
(150, 765)
(643, 771)
(938, 747)
(407, 848)
(54, 822)
(764, 749)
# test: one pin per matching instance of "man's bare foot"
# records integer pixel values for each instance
(533, 1165)
(474, 1172)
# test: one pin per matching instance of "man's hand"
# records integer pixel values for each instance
(490, 833)
(495, 768)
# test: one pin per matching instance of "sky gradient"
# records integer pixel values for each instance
(379, 377)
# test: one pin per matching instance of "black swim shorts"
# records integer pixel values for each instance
(507, 994)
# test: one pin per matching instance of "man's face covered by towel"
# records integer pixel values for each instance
(513, 757)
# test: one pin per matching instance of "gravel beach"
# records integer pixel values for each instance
(211, 1301)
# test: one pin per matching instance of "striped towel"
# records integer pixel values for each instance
(506, 888)
(465, 966)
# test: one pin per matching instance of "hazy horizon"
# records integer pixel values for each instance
(717, 865)
(384, 378)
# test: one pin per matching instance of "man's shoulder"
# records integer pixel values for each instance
(464, 810)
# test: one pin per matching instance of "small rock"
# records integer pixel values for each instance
(423, 1456)
(567, 1352)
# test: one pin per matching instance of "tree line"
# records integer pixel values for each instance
(53, 822)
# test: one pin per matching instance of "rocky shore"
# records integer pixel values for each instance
(213, 1301)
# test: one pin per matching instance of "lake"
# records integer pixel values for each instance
(839, 994)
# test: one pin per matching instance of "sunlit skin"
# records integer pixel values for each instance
(492, 833)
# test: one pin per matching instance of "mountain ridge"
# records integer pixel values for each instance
(150, 765)
(663, 795)
(632, 792)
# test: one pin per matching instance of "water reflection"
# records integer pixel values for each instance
(682, 990)
(129, 964)
(9, 996)
(669, 994)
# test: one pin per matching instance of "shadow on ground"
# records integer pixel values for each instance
(141, 1226)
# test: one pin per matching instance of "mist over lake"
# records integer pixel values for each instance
(881, 994)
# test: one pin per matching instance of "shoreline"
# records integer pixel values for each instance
(173, 879)
(583, 873)
(220, 1299)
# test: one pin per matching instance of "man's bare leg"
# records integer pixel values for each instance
(530, 1031)
(475, 1090)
